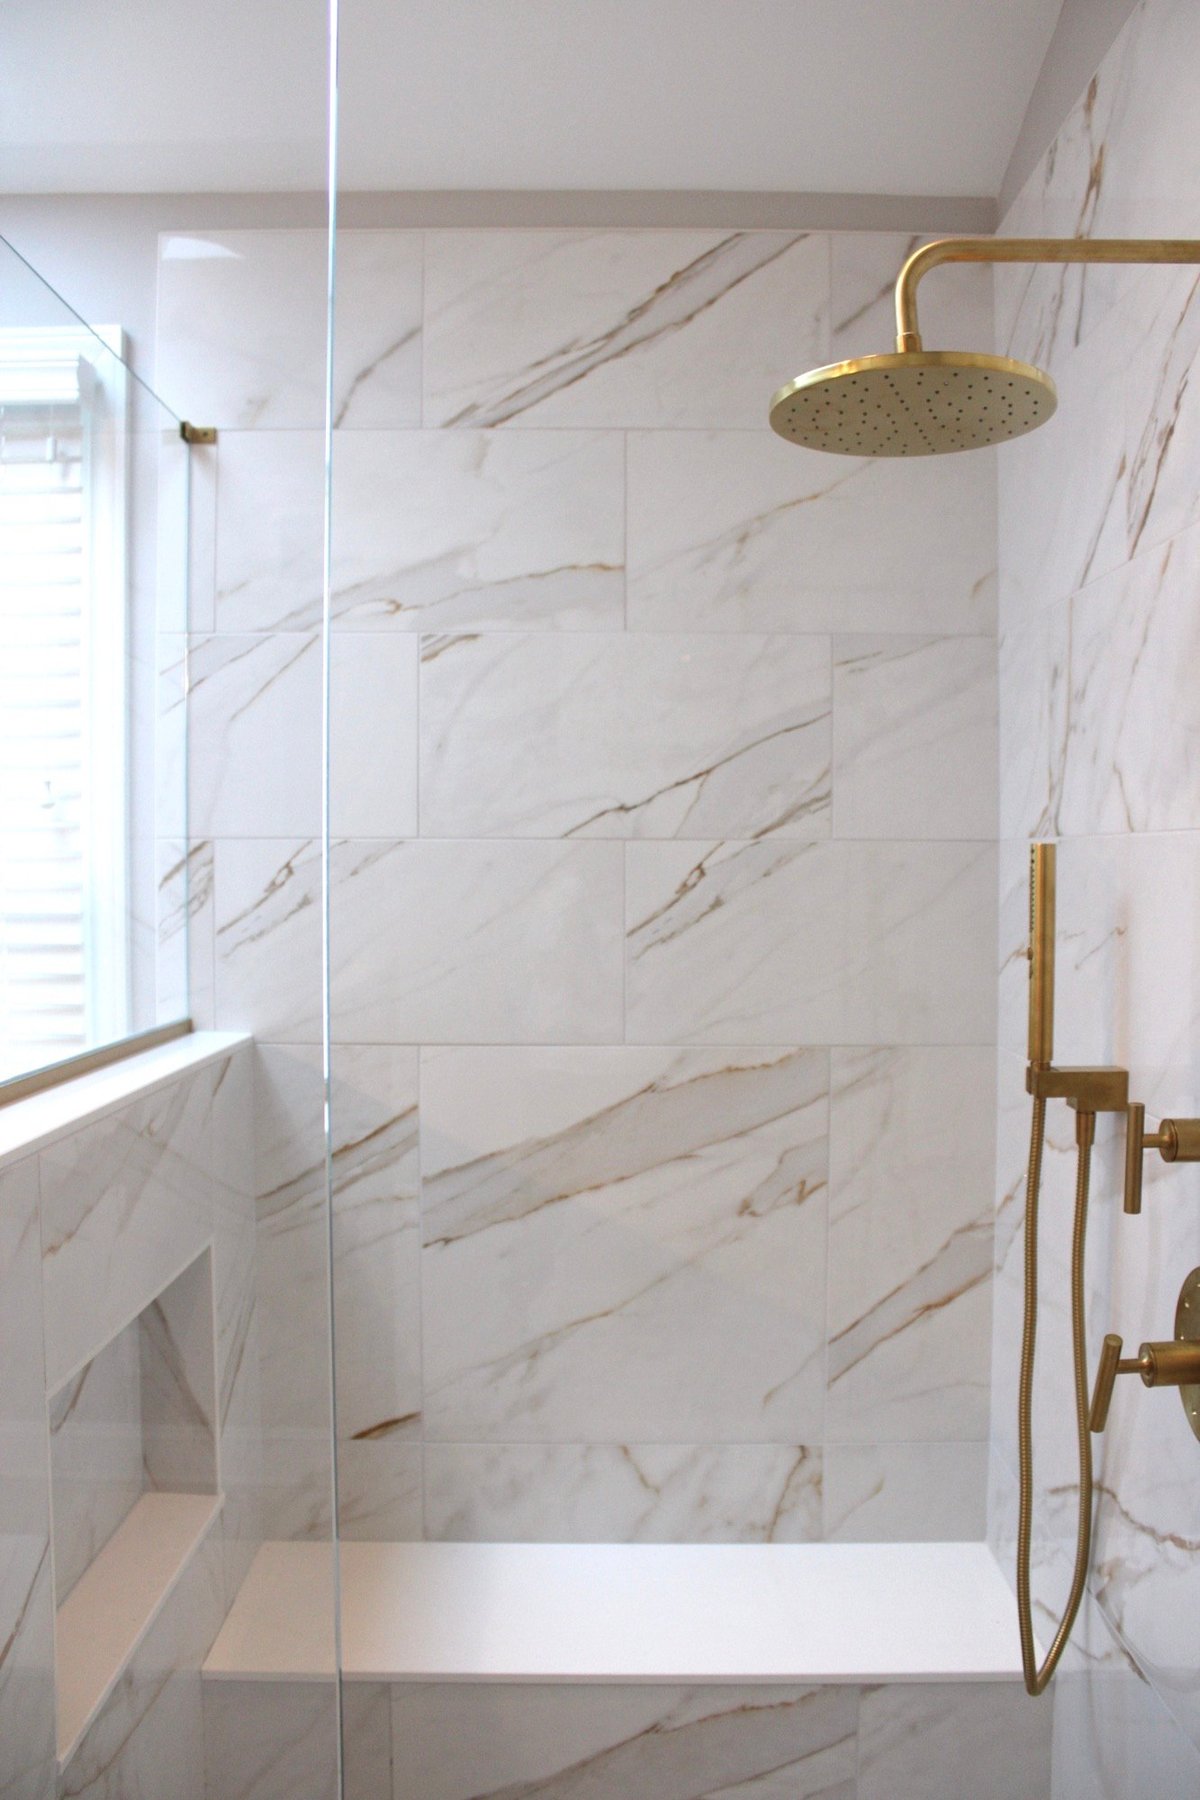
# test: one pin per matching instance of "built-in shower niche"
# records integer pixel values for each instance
(134, 1486)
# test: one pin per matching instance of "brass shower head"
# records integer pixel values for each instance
(913, 403)
(918, 402)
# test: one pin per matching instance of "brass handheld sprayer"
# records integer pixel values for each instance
(1088, 1091)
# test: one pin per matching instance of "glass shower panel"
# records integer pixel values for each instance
(196, 242)
(94, 515)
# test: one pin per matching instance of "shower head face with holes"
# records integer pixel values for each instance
(913, 403)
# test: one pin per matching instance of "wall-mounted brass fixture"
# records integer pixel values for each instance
(1088, 1091)
(1176, 1140)
(1170, 1364)
(197, 434)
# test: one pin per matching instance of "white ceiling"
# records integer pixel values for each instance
(814, 96)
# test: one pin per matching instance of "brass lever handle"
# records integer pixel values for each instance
(1176, 1140)
(1172, 1364)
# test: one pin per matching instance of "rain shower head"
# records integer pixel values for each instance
(913, 403)
(918, 402)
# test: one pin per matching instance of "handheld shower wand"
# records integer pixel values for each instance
(1088, 1091)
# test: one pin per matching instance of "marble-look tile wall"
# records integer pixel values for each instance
(662, 884)
(97, 1404)
(1099, 537)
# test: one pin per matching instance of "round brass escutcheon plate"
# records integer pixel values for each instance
(1187, 1326)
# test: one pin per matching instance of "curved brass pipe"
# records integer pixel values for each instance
(1024, 250)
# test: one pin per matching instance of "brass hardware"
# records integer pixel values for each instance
(197, 434)
(1174, 1363)
(1025, 250)
(1187, 1326)
(1089, 1091)
(918, 402)
(1042, 910)
(1176, 1140)
(913, 403)
(1098, 1089)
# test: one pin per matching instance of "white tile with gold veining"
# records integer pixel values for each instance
(274, 1740)
(270, 538)
(624, 328)
(254, 704)
(1129, 757)
(910, 1244)
(464, 1742)
(376, 1241)
(293, 1289)
(739, 531)
(914, 737)
(267, 938)
(623, 1493)
(821, 943)
(95, 1455)
(478, 530)
(126, 1203)
(470, 942)
(623, 1245)
(26, 1590)
(905, 1493)
(624, 736)
(941, 1742)
(242, 324)
(372, 736)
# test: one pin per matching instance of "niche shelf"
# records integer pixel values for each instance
(134, 1489)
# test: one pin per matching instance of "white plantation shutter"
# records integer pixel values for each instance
(61, 689)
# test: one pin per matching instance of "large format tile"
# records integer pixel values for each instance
(985, 1739)
(148, 1738)
(465, 1742)
(95, 1455)
(444, 530)
(905, 1493)
(242, 324)
(273, 1740)
(477, 530)
(372, 736)
(738, 531)
(622, 328)
(254, 703)
(910, 1243)
(267, 938)
(1131, 715)
(818, 943)
(623, 1493)
(26, 1589)
(376, 1276)
(914, 737)
(235, 1285)
(126, 1203)
(469, 942)
(293, 1242)
(624, 736)
(270, 556)
(624, 1245)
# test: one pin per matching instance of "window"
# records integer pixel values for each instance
(64, 830)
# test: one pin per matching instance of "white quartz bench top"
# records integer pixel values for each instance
(624, 1613)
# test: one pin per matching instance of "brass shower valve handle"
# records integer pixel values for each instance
(1176, 1140)
(1172, 1364)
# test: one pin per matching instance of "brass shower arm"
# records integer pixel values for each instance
(1024, 250)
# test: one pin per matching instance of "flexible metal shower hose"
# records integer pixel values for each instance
(1037, 1679)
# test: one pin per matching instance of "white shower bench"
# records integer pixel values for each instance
(628, 1672)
